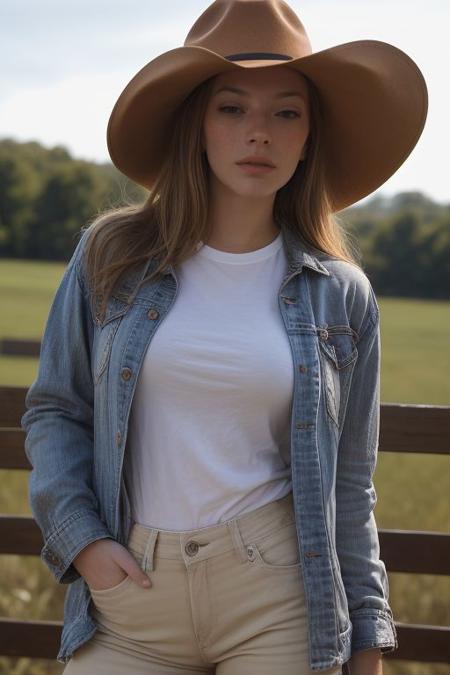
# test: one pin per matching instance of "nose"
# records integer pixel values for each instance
(259, 135)
(259, 138)
(258, 130)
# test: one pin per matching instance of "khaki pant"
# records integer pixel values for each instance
(226, 599)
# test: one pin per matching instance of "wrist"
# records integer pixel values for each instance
(366, 662)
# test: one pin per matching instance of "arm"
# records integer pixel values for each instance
(59, 427)
(367, 662)
(357, 543)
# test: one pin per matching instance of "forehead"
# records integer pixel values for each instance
(263, 80)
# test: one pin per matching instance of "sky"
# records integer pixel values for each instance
(65, 62)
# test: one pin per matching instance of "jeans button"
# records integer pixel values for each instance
(191, 548)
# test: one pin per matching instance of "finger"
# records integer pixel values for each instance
(130, 566)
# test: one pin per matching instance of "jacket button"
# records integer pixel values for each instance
(126, 373)
(302, 368)
(118, 438)
(324, 334)
(153, 314)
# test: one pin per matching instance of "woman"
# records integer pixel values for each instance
(204, 426)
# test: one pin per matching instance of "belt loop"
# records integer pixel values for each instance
(148, 560)
(237, 540)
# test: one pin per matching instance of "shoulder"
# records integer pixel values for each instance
(348, 283)
(77, 264)
(76, 260)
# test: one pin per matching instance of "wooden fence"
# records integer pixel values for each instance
(403, 428)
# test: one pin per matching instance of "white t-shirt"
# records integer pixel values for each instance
(209, 434)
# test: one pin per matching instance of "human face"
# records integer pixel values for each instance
(263, 121)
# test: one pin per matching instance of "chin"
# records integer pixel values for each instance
(255, 193)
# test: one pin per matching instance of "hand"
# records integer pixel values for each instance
(104, 563)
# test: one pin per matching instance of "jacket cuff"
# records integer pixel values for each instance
(373, 628)
(63, 545)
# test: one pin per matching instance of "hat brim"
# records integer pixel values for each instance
(373, 97)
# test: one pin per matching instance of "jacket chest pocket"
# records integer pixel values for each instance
(337, 352)
(105, 334)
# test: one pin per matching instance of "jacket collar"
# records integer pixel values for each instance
(299, 254)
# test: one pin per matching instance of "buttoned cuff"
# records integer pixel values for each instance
(373, 628)
(63, 545)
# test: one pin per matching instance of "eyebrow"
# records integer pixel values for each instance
(281, 94)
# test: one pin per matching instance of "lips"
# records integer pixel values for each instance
(256, 162)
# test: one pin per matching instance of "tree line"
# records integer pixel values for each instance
(46, 196)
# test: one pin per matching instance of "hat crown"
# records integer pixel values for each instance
(234, 28)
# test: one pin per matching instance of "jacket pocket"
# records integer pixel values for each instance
(104, 335)
(337, 352)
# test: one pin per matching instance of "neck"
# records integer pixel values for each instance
(240, 223)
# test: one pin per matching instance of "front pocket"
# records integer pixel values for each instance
(277, 551)
(113, 590)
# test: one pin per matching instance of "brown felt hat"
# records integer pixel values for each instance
(373, 96)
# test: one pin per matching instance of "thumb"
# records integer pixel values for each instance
(133, 570)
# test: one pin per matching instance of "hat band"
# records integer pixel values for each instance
(253, 56)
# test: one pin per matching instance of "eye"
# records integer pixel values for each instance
(229, 107)
(291, 111)
(226, 108)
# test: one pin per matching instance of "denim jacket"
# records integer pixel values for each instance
(76, 422)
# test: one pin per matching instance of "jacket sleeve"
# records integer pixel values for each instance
(58, 423)
(363, 573)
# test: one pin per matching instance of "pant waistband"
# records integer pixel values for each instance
(191, 546)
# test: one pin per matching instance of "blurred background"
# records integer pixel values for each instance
(63, 66)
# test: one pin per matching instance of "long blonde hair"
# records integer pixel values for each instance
(172, 220)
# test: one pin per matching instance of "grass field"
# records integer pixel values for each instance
(412, 491)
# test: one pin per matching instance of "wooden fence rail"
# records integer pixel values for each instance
(15, 347)
(403, 428)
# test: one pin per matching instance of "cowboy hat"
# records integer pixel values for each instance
(373, 96)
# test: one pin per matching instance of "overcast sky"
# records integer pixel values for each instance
(65, 62)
